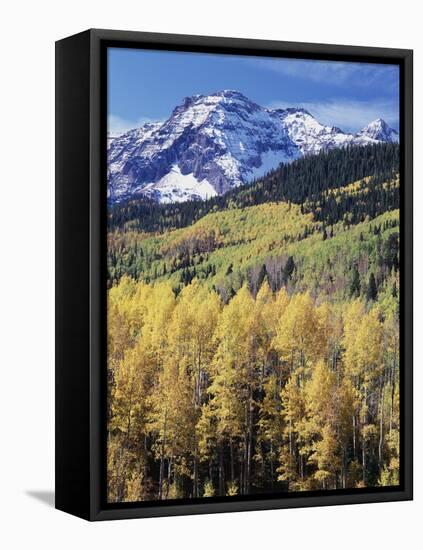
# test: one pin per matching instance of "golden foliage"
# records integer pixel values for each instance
(279, 391)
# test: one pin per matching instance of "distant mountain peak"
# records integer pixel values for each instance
(213, 143)
(379, 130)
(380, 122)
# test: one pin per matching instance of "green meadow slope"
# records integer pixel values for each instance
(227, 248)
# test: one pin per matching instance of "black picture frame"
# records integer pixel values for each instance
(80, 271)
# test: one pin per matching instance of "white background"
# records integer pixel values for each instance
(28, 31)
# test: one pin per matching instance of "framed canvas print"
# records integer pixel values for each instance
(234, 274)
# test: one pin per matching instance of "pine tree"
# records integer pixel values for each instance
(288, 269)
(394, 290)
(371, 288)
(355, 285)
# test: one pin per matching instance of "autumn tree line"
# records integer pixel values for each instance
(267, 392)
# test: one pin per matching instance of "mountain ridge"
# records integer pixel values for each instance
(213, 143)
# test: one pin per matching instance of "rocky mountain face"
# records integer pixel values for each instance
(213, 143)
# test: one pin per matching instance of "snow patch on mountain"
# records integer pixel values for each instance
(177, 187)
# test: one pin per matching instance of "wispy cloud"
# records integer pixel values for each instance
(117, 125)
(349, 115)
(332, 72)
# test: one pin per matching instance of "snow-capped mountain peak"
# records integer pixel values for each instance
(221, 140)
(379, 130)
(212, 143)
(308, 134)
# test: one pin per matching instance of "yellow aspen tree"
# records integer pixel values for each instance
(190, 345)
(389, 417)
(321, 425)
(331, 330)
(269, 428)
(292, 412)
(124, 427)
(364, 364)
(233, 381)
(268, 310)
(299, 338)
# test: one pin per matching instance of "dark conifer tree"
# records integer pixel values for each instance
(355, 286)
(288, 269)
(394, 290)
(371, 288)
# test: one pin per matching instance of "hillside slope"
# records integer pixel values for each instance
(225, 249)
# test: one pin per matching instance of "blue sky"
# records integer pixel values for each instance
(146, 85)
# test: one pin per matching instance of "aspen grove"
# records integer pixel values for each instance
(275, 392)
